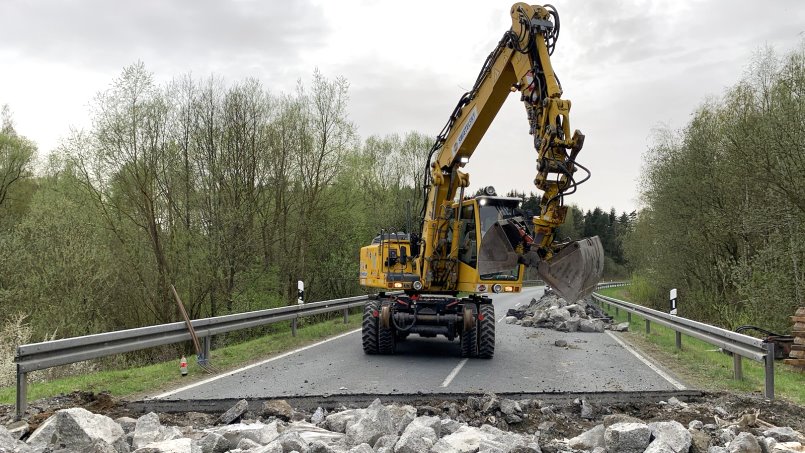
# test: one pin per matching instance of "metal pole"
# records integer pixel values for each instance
(769, 387)
(737, 366)
(648, 326)
(678, 340)
(629, 317)
(616, 310)
(22, 393)
(346, 316)
(206, 345)
(293, 327)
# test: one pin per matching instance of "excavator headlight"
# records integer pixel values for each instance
(464, 159)
(398, 285)
(496, 288)
(489, 190)
(417, 285)
(508, 289)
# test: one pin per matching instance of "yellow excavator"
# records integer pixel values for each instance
(481, 245)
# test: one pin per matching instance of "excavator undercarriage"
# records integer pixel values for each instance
(388, 320)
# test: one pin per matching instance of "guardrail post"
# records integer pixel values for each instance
(22, 392)
(648, 327)
(678, 340)
(769, 385)
(206, 345)
(293, 327)
(346, 316)
(616, 310)
(737, 366)
(629, 317)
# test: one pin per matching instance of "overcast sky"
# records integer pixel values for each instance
(628, 66)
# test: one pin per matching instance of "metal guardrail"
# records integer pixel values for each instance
(48, 354)
(738, 344)
(530, 283)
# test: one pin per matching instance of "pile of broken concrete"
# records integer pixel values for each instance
(622, 433)
(454, 427)
(553, 312)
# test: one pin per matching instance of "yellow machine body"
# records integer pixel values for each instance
(388, 264)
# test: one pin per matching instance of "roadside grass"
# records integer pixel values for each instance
(151, 379)
(702, 364)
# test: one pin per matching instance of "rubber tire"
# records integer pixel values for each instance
(369, 328)
(386, 343)
(469, 338)
(486, 332)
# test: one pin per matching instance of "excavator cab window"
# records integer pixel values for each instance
(468, 247)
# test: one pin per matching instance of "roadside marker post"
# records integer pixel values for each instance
(673, 302)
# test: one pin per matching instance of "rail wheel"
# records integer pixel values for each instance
(386, 343)
(369, 327)
(486, 331)
(469, 334)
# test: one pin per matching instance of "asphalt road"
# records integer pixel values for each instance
(526, 360)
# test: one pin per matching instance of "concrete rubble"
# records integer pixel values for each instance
(488, 423)
(553, 312)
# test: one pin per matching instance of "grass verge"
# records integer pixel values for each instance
(702, 364)
(153, 378)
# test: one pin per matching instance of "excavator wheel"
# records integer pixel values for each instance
(385, 335)
(469, 335)
(486, 331)
(369, 327)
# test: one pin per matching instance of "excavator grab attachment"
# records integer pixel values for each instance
(573, 271)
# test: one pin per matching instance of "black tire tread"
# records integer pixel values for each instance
(469, 338)
(369, 328)
(486, 332)
(385, 340)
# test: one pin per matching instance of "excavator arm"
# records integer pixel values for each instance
(520, 63)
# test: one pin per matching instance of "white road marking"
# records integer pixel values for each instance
(206, 381)
(453, 373)
(648, 363)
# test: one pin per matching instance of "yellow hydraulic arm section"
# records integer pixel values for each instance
(520, 63)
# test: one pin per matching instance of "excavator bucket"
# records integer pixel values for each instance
(496, 253)
(572, 272)
(575, 270)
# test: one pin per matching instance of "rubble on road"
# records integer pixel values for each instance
(553, 312)
(489, 423)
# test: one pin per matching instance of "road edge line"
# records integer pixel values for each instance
(454, 373)
(647, 362)
(271, 359)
